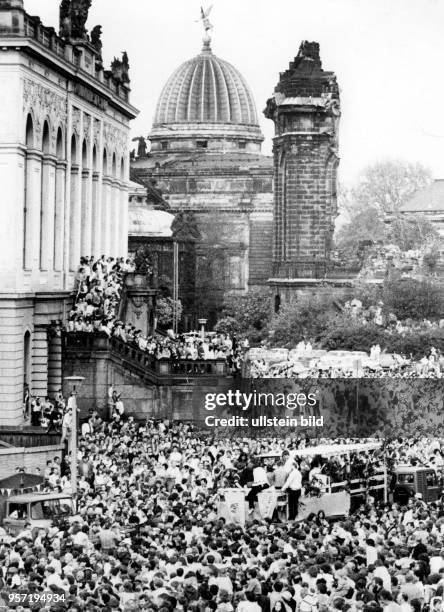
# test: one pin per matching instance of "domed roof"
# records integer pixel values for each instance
(207, 93)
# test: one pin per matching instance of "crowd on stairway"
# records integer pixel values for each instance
(148, 536)
(98, 292)
(99, 289)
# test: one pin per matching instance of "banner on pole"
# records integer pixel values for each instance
(234, 508)
(267, 501)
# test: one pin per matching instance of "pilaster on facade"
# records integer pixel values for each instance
(61, 114)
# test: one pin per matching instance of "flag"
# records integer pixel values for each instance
(267, 501)
(235, 506)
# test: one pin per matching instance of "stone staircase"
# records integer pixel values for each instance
(151, 370)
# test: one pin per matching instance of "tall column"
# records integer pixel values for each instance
(48, 208)
(96, 216)
(59, 217)
(106, 215)
(12, 358)
(115, 222)
(123, 221)
(74, 222)
(33, 206)
(85, 235)
(40, 361)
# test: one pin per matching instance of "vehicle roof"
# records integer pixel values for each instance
(407, 469)
(30, 497)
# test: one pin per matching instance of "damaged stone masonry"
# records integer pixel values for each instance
(305, 109)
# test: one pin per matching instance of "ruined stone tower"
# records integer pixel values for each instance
(305, 110)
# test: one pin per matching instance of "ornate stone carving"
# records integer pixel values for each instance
(96, 131)
(44, 103)
(65, 18)
(184, 226)
(76, 121)
(120, 68)
(141, 147)
(72, 18)
(86, 127)
(96, 39)
(115, 139)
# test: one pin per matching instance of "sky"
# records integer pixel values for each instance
(388, 56)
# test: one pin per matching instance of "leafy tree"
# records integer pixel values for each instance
(165, 309)
(411, 232)
(364, 228)
(410, 298)
(368, 293)
(230, 325)
(308, 317)
(245, 314)
(383, 188)
(347, 335)
(417, 345)
(387, 185)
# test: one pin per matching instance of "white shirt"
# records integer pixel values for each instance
(294, 480)
(260, 476)
(248, 606)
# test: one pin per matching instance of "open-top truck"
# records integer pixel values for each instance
(34, 509)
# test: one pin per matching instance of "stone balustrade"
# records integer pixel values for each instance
(81, 342)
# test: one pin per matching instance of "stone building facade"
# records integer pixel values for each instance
(64, 171)
(305, 109)
(206, 159)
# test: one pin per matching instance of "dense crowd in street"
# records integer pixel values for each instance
(148, 536)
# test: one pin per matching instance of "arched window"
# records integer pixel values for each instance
(84, 155)
(45, 138)
(122, 169)
(105, 163)
(44, 195)
(114, 166)
(29, 132)
(73, 149)
(94, 159)
(59, 145)
(29, 141)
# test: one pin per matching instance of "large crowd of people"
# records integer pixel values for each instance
(96, 309)
(148, 535)
(304, 362)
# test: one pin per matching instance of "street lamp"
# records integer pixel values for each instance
(74, 382)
